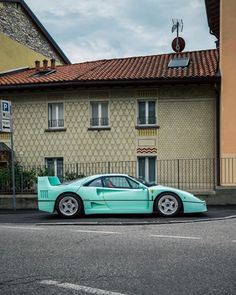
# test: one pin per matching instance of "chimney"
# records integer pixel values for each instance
(45, 64)
(37, 65)
(53, 63)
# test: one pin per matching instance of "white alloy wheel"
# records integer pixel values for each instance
(168, 205)
(68, 206)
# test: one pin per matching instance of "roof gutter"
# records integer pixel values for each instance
(111, 83)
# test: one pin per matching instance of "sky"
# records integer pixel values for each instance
(102, 29)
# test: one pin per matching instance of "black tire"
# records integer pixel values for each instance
(69, 206)
(167, 204)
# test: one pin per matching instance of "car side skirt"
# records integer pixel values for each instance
(102, 208)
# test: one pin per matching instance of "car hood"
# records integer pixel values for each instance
(185, 196)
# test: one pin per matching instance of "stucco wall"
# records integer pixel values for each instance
(185, 116)
(228, 73)
(15, 55)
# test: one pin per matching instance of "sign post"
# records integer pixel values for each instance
(6, 126)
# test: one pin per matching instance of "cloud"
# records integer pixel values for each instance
(59, 8)
(91, 29)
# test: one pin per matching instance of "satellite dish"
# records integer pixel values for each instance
(178, 44)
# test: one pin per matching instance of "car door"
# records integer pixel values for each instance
(122, 194)
(92, 195)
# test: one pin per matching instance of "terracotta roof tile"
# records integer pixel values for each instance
(202, 64)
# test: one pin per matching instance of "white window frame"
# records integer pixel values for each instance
(57, 114)
(147, 112)
(99, 114)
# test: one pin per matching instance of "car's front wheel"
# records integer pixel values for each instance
(69, 206)
(168, 204)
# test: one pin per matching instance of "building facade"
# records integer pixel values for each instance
(100, 116)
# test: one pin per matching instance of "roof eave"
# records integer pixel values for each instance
(213, 16)
(113, 83)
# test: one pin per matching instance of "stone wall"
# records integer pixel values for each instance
(15, 24)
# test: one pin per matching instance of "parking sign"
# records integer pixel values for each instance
(5, 116)
(5, 106)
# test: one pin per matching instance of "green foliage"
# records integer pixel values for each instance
(72, 175)
(5, 179)
(26, 177)
(42, 171)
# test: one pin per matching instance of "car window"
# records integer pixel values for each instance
(116, 182)
(133, 184)
(95, 183)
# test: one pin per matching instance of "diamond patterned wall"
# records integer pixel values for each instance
(185, 116)
(186, 127)
(77, 143)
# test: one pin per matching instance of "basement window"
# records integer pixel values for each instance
(178, 62)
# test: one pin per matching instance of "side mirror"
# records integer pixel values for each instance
(142, 187)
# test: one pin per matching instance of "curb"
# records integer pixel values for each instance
(134, 223)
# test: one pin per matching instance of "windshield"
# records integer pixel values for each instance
(143, 181)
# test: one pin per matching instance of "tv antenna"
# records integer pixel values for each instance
(177, 25)
(178, 43)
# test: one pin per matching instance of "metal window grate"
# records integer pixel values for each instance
(99, 122)
(56, 123)
(146, 120)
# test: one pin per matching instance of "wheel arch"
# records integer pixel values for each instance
(66, 193)
(165, 193)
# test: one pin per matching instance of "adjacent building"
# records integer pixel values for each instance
(221, 16)
(23, 38)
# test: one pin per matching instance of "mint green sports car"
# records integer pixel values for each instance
(112, 193)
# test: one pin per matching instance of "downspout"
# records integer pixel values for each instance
(217, 135)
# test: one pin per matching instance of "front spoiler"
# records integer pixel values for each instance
(195, 207)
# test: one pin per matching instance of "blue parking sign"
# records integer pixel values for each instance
(5, 116)
(5, 106)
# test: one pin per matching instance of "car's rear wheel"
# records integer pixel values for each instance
(69, 206)
(168, 204)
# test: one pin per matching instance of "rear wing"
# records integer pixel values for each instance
(45, 182)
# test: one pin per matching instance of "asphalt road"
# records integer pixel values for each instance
(189, 258)
(36, 217)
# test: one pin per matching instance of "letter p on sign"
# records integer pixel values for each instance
(5, 107)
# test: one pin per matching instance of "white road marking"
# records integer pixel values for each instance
(96, 231)
(20, 227)
(234, 241)
(79, 288)
(177, 237)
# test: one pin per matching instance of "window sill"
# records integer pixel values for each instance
(147, 127)
(97, 128)
(55, 130)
